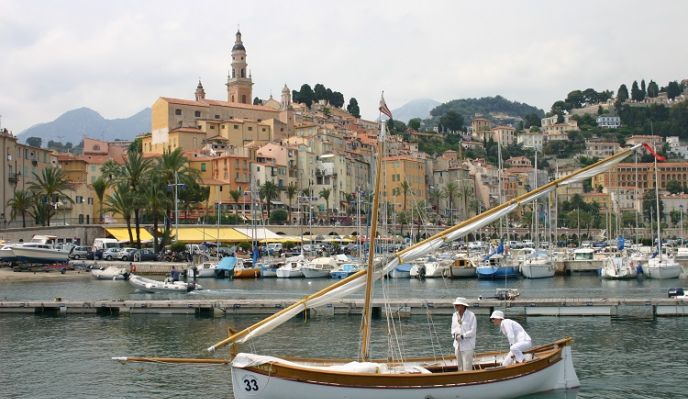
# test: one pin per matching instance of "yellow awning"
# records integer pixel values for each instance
(209, 234)
(121, 234)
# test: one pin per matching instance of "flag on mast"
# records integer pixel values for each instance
(654, 154)
(383, 106)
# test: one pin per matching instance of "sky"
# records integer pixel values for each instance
(118, 57)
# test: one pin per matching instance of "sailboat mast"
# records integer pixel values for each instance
(659, 218)
(370, 276)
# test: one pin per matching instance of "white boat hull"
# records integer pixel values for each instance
(619, 269)
(537, 270)
(282, 273)
(39, 255)
(399, 274)
(315, 273)
(560, 375)
(154, 286)
(110, 273)
(462, 272)
(662, 272)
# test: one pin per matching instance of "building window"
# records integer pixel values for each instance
(250, 129)
(203, 167)
(212, 127)
(197, 114)
(217, 116)
(178, 111)
(236, 126)
(81, 218)
(243, 99)
(263, 129)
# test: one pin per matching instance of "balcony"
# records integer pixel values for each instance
(13, 178)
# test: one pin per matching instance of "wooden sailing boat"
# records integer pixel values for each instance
(547, 367)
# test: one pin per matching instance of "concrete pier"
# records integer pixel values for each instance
(557, 307)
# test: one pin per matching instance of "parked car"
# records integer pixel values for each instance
(126, 254)
(144, 255)
(81, 252)
(111, 253)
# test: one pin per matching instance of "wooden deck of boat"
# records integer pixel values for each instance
(558, 307)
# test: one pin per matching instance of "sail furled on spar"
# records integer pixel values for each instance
(358, 280)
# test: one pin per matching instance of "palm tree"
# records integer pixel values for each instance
(291, 192)
(50, 187)
(434, 196)
(41, 212)
(174, 164)
(134, 172)
(235, 194)
(405, 189)
(21, 203)
(121, 201)
(156, 199)
(450, 192)
(100, 185)
(110, 171)
(325, 194)
(269, 192)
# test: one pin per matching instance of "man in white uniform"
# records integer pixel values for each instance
(463, 330)
(519, 340)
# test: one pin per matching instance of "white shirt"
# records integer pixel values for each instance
(514, 332)
(466, 326)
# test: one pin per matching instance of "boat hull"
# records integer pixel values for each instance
(462, 272)
(273, 381)
(247, 273)
(315, 273)
(496, 272)
(537, 270)
(281, 273)
(154, 286)
(39, 255)
(663, 272)
(110, 273)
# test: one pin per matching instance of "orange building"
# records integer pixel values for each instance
(398, 169)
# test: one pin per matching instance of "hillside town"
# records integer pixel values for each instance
(312, 164)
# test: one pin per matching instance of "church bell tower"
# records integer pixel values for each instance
(239, 82)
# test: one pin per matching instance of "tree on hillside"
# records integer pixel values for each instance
(305, 95)
(622, 94)
(636, 93)
(319, 92)
(531, 120)
(652, 89)
(451, 121)
(34, 141)
(352, 108)
(257, 101)
(673, 89)
(268, 192)
(337, 99)
(643, 89)
(414, 124)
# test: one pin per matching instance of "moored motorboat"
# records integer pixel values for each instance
(154, 286)
(497, 267)
(291, 268)
(111, 273)
(268, 270)
(244, 268)
(401, 271)
(537, 265)
(344, 271)
(319, 267)
(462, 268)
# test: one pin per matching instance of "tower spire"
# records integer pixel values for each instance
(240, 82)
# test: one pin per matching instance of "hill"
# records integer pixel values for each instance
(498, 109)
(418, 108)
(73, 125)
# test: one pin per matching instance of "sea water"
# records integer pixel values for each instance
(70, 356)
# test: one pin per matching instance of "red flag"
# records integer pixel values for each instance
(383, 107)
(654, 154)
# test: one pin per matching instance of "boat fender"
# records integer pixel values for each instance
(132, 267)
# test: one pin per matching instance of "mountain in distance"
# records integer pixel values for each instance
(497, 108)
(73, 125)
(418, 108)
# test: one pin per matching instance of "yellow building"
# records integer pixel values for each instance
(398, 169)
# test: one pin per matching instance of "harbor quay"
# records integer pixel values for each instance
(540, 307)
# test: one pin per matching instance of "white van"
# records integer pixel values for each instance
(105, 243)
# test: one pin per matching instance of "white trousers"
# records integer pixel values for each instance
(464, 359)
(515, 354)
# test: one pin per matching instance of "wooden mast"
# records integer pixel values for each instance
(370, 276)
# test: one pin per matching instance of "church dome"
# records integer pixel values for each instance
(239, 46)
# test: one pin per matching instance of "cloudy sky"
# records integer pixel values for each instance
(117, 57)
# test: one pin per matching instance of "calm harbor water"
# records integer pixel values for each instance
(69, 356)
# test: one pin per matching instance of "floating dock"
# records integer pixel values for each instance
(557, 307)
